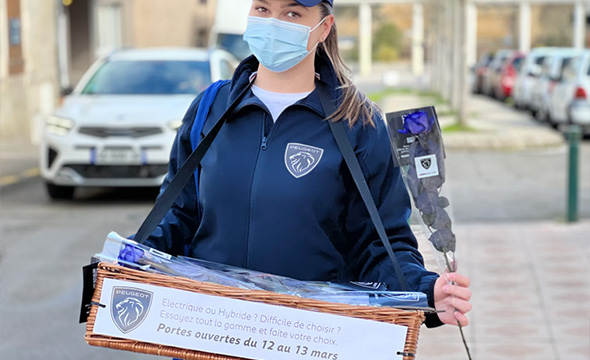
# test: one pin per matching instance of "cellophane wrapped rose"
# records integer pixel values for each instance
(419, 151)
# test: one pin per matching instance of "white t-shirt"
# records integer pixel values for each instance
(277, 102)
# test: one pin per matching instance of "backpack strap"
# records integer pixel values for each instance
(203, 111)
(165, 201)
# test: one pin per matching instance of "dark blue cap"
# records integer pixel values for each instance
(310, 3)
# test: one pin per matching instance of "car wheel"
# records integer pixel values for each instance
(541, 115)
(552, 123)
(60, 192)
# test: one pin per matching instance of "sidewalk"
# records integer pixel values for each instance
(531, 293)
(496, 125)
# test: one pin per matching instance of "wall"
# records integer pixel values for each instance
(26, 97)
(157, 23)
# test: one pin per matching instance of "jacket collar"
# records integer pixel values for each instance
(243, 76)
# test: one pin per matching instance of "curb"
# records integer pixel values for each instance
(515, 139)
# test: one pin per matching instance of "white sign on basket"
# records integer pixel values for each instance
(239, 328)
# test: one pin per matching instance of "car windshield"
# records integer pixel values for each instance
(517, 62)
(539, 60)
(149, 78)
(564, 64)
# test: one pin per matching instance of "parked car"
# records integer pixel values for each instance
(117, 127)
(544, 85)
(492, 73)
(479, 71)
(527, 75)
(503, 84)
(570, 100)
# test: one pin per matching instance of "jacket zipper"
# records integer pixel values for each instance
(264, 139)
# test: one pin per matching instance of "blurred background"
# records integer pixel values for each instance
(48, 45)
(93, 91)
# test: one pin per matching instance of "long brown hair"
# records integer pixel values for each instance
(354, 105)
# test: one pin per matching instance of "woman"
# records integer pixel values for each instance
(274, 194)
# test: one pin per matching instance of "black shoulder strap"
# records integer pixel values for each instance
(183, 175)
(347, 151)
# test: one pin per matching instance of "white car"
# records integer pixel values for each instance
(570, 100)
(544, 85)
(117, 127)
(529, 71)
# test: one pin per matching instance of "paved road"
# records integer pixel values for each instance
(44, 246)
(515, 185)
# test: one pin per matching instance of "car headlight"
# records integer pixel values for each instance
(58, 125)
(174, 124)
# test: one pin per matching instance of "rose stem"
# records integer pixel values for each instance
(458, 324)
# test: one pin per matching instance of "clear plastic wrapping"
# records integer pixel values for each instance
(129, 253)
(419, 152)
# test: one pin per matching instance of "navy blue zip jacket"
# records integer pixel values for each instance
(278, 197)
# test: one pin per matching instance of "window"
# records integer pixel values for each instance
(517, 63)
(202, 38)
(571, 70)
(16, 63)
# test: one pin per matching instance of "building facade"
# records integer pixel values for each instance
(28, 76)
(46, 45)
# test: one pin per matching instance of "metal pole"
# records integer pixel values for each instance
(574, 135)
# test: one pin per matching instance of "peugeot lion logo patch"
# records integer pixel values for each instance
(129, 307)
(426, 166)
(302, 159)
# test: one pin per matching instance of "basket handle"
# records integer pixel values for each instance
(347, 151)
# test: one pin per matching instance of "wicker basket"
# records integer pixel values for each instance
(412, 319)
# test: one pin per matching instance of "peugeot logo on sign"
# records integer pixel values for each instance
(426, 163)
(129, 307)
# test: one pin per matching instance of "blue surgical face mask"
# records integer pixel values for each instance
(278, 45)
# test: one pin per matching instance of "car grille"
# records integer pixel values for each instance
(119, 171)
(135, 132)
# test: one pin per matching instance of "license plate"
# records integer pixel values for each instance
(116, 156)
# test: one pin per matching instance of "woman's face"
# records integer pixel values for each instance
(292, 11)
